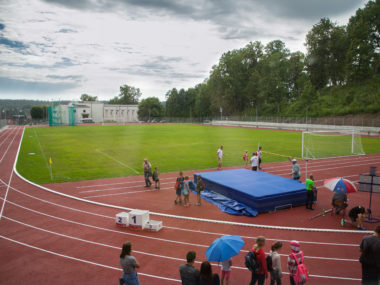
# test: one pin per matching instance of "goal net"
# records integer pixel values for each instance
(322, 144)
(61, 114)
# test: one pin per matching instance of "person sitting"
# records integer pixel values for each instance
(339, 203)
(357, 215)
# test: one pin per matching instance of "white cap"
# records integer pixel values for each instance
(294, 160)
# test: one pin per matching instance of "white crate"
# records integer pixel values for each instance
(138, 218)
(153, 226)
(122, 219)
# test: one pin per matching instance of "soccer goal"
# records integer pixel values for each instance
(323, 144)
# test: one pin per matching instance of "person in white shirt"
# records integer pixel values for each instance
(220, 157)
(254, 161)
(260, 156)
(226, 271)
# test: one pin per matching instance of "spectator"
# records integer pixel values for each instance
(179, 188)
(128, 264)
(220, 157)
(226, 270)
(262, 272)
(200, 187)
(357, 216)
(245, 158)
(254, 161)
(339, 203)
(292, 263)
(260, 156)
(156, 179)
(296, 171)
(186, 194)
(147, 172)
(276, 273)
(370, 258)
(310, 191)
(189, 274)
(206, 276)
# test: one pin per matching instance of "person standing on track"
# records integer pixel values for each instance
(292, 263)
(262, 272)
(189, 274)
(260, 156)
(370, 258)
(178, 188)
(254, 161)
(200, 187)
(219, 154)
(156, 179)
(310, 192)
(296, 170)
(128, 264)
(147, 172)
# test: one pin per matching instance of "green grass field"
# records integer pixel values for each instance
(92, 152)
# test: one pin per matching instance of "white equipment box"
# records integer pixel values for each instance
(122, 219)
(138, 219)
(153, 226)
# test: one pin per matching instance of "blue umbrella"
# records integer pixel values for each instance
(224, 248)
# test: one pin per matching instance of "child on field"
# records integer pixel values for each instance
(178, 188)
(186, 193)
(226, 270)
(155, 179)
(199, 189)
(245, 158)
(276, 273)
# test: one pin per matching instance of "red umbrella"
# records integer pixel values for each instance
(340, 184)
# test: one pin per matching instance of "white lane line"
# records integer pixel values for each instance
(143, 236)
(176, 228)
(9, 183)
(85, 261)
(6, 151)
(118, 183)
(118, 161)
(9, 134)
(117, 188)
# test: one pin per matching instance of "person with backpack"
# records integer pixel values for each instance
(297, 270)
(260, 273)
(275, 270)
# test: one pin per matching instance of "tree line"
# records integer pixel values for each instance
(338, 75)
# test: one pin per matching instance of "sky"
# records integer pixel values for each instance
(60, 49)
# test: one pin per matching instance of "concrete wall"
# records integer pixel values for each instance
(371, 131)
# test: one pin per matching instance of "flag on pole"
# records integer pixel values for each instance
(50, 161)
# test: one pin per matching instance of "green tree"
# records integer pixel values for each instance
(363, 58)
(326, 45)
(86, 97)
(128, 95)
(37, 112)
(150, 108)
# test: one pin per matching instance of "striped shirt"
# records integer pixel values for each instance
(292, 264)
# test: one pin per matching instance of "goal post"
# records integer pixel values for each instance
(324, 144)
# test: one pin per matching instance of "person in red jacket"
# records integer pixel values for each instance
(262, 273)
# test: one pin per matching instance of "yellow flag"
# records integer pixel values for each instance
(50, 161)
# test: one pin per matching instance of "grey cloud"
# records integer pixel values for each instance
(2, 26)
(67, 31)
(75, 78)
(10, 85)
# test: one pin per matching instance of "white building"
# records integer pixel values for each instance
(99, 112)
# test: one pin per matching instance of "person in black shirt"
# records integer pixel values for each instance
(357, 215)
(370, 258)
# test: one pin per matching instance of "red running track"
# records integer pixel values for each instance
(69, 236)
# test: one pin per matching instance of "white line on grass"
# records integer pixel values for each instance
(118, 161)
(43, 156)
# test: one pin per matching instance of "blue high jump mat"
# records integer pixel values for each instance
(258, 191)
